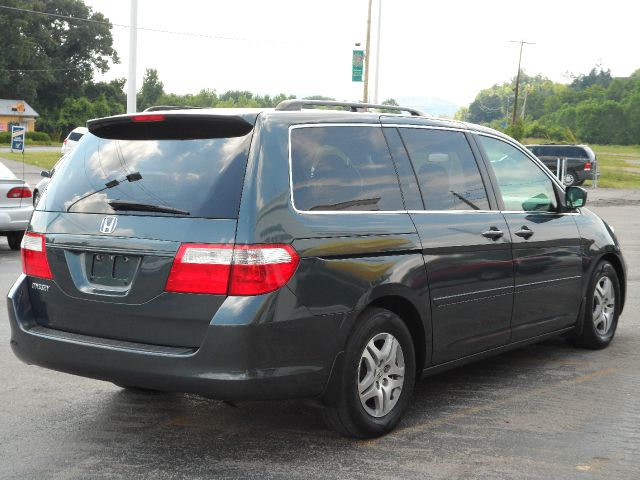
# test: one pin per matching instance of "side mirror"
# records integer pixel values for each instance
(575, 197)
(45, 174)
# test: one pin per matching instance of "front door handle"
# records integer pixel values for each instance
(525, 232)
(493, 233)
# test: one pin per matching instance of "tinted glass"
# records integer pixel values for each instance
(343, 168)
(75, 136)
(447, 171)
(569, 151)
(202, 177)
(522, 183)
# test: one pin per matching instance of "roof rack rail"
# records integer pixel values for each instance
(155, 108)
(297, 105)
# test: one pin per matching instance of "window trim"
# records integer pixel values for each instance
(338, 212)
(483, 166)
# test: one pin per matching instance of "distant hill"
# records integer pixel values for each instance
(430, 105)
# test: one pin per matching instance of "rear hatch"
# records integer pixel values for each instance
(116, 213)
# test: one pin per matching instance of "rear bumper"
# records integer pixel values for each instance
(15, 219)
(235, 362)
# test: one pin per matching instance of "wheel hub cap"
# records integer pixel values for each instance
(604, 304)
(381, 375)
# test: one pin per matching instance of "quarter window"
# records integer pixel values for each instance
(447, 171)
(343, 168)
(523, 184)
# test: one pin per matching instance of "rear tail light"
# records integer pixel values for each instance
(229, 270)
(587, 166)
(34, 256)
(19, 192)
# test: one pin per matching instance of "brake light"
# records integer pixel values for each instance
(227, 270)
(147, 118)
(587, 166)
(34, 256)
(19, 192)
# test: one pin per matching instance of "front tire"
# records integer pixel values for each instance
(15, 239)
(377, 379)
(602, 309)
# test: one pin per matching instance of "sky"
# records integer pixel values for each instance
(441, 49)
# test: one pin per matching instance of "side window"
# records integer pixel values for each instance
(523, 185)
(343, 168)
(447, 171)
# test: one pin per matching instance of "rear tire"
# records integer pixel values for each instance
(377, 378)
(601, 311)
(15, 239)
(570, 179)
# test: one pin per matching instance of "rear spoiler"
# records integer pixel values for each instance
(169, 126)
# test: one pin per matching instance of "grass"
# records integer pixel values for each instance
(42, 159)
(619, 165)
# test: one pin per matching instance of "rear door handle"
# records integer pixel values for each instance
(493, 233)
(524, 232)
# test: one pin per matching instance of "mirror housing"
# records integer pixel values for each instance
(45, 174)
(575, 197)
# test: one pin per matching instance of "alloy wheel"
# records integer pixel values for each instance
(381, 375)
(604, 305)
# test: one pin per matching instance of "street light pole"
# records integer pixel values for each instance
(133, 47)
(367, 55)
(377, 74)
(515, 101)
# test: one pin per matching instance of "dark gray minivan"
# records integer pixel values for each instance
(305, 253)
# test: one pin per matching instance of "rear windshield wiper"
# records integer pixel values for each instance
(132, 177)
(144, 207)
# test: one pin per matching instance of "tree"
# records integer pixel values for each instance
(152, 90)
(48, 58)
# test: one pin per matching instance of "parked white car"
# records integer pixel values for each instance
(15, 207)
(72, 139)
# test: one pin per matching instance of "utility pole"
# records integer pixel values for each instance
(133, 47)
(367, 54)
(377, 74)
(515, 102)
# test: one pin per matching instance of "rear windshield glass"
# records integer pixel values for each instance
(560, 151)
(200, 177)
(75, 136)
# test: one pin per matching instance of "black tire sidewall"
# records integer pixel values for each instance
(590, 333)
(14, 239)
(377, 321)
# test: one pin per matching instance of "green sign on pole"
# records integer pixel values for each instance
(357, 66)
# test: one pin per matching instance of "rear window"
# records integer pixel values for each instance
(343, 168)
(75, 136)
(560, 151)
(201, 177)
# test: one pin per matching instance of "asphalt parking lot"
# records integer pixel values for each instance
(546, 411)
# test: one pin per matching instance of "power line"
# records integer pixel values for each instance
(39, 69)
(146, 29)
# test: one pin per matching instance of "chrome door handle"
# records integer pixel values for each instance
(493, 233)
(525, 232)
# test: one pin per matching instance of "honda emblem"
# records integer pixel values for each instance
(108, 224)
